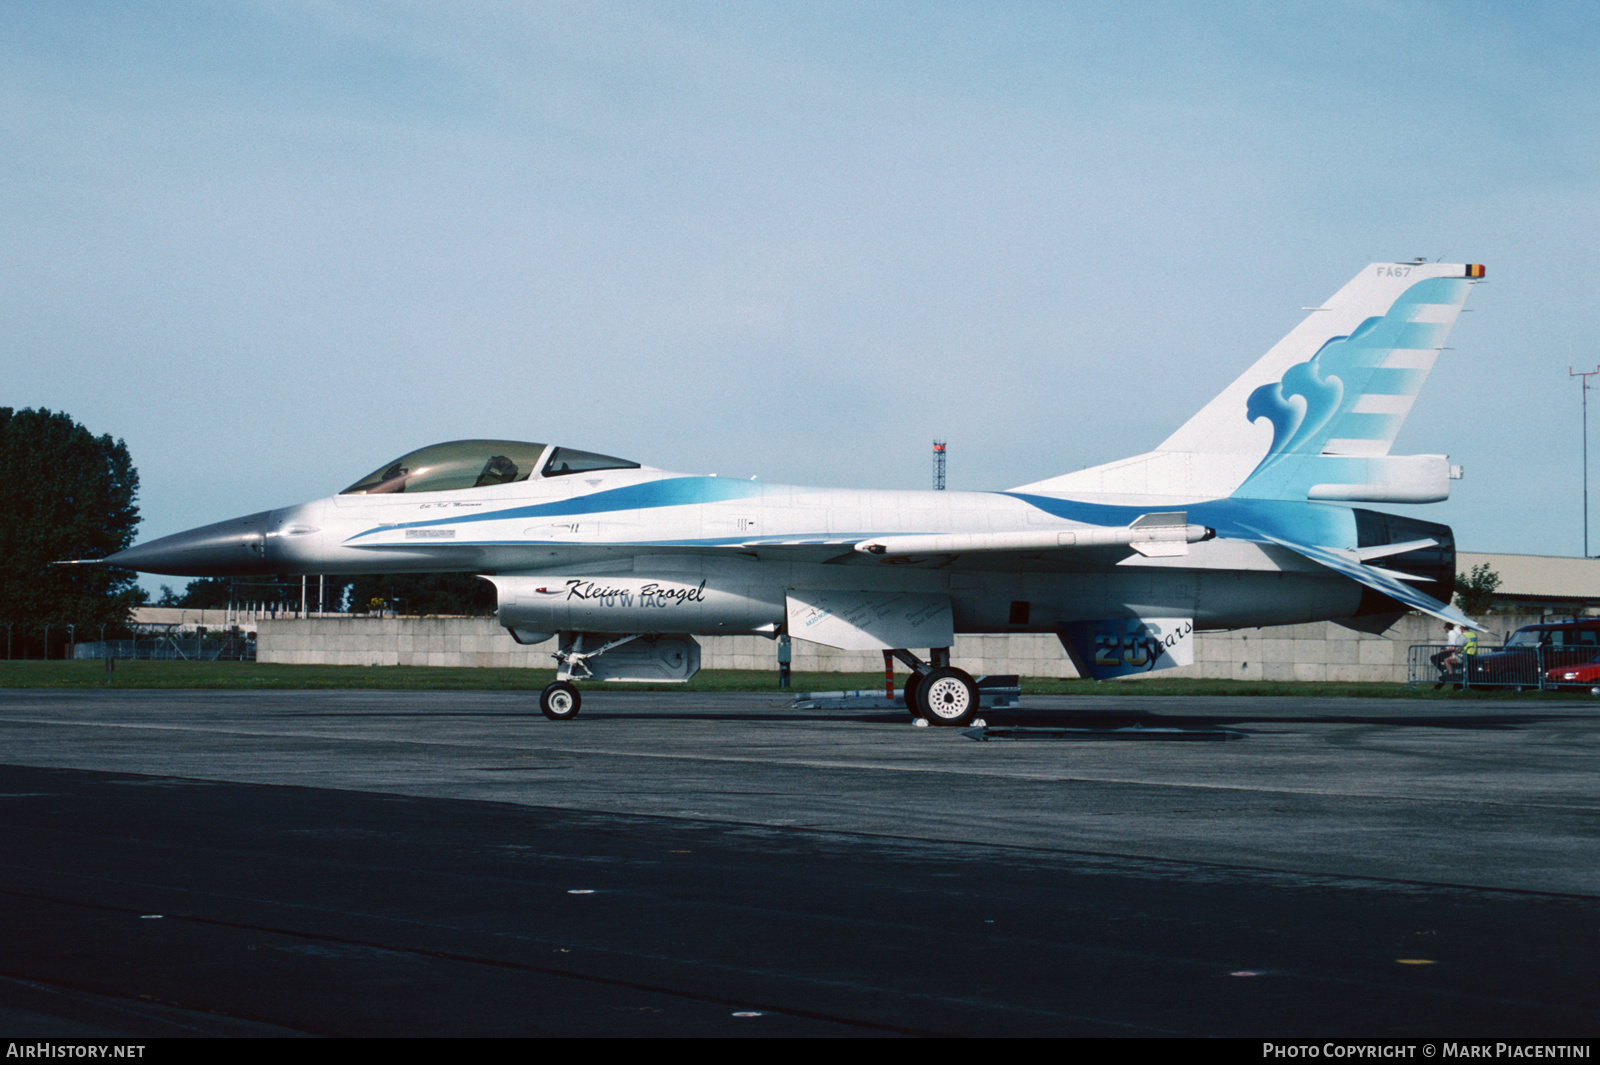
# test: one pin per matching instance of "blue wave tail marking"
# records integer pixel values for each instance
(1351, 397)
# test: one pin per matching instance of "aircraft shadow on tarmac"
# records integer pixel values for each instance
(1106, 719)
(1078, 718)
(1113, 718)
(1122, 718)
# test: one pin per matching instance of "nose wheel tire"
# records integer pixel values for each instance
(560, 701)
(947, 696)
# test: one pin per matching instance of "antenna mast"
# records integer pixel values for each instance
(938, 464)
(1585, 377)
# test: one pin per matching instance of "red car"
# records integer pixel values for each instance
(1576, 677)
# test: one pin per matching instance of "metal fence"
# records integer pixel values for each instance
(171, 649)
(1517, 667)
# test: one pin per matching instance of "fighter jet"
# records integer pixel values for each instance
(1241, 518)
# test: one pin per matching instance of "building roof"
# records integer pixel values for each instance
(1552, 579)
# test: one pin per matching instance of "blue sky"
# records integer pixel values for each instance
(271, 245)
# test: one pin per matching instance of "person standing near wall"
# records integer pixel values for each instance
(1449, 660)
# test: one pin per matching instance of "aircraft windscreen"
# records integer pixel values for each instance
(448, 467)
(564, 460)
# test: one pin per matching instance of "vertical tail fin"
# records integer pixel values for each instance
(1315, 417)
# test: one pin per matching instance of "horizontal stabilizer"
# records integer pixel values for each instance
(1350, 565)
(1367, 554)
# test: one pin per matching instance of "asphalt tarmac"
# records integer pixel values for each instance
(452, 864)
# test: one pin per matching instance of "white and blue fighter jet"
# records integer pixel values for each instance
(1239, 519)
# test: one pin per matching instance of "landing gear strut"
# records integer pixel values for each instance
(938, 692)
(560, 700)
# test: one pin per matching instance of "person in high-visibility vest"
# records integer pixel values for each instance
(1469, 648)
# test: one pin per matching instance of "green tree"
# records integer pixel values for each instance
(1475, 593)
(209, 593)
(64, 494)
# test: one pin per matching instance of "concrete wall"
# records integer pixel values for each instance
(395, 642)
(1316, 652)
(1325, 651)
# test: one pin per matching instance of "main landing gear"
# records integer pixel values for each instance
(937, 692)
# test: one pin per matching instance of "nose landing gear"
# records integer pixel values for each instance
(560, 701)
(640, 657)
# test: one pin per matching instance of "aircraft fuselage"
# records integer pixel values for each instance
(756, 541)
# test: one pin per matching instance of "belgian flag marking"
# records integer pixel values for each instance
(1475, 270)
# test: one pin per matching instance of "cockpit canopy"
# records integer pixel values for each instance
(478, 463)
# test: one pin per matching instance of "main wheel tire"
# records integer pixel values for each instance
(908, 691)
(560, 701)
(948, 696)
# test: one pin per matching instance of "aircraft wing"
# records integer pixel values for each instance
(1161, 534)
(1350, 565)
(1150, 535)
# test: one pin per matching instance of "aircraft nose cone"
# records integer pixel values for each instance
(236, 547)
